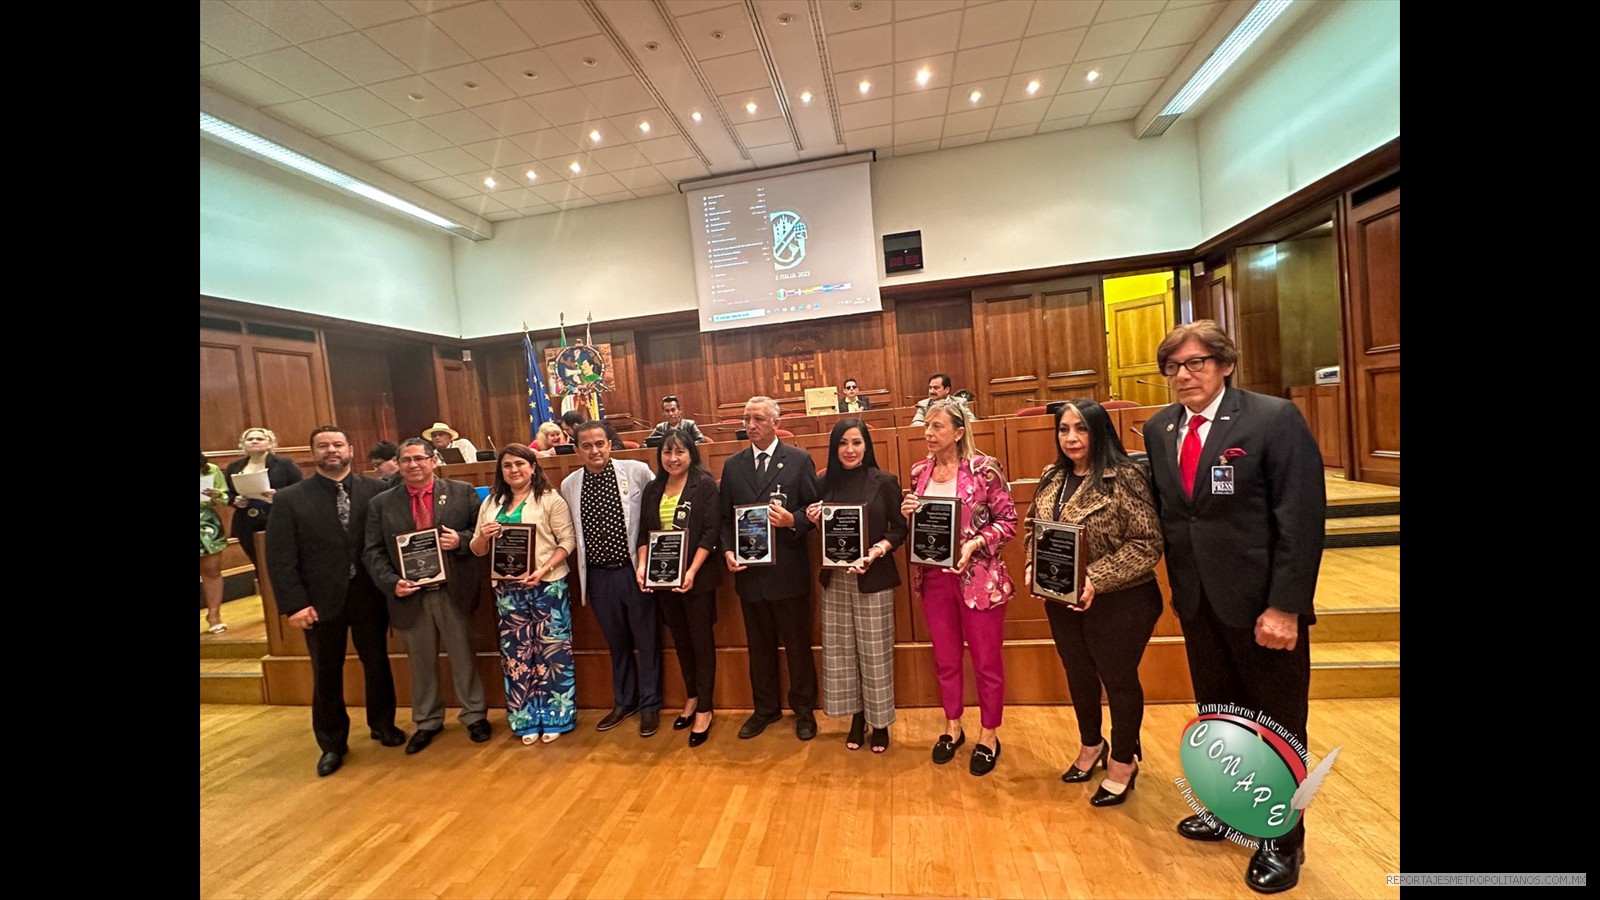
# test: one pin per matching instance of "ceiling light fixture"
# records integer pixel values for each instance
(644, 127)
(1033, 86)
(415, 96)
(532, 175)
(695, 116)
(1093, 76)
(864, 86)
(1232, 47)
(750, 107)
(805, 96)
(489, 181)
(305, 165)
(975, 96)
(575, 167)
(924, 75)
(595, 136)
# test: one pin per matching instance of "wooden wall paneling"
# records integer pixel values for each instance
(1031, 445)
(934, 336)
(227, 406)
(416, 391)
(1371, 243)
(737, 370)
(1136, 329)
(293, 385)
(1218, 304)
(856, 347)
(627, 399)
(1074, 333)
(1300, 395)
(503, 387)
(1329, 400)
(1004, 332)
(1130, 425)
(362, 396)
(670, 362)
(260, 380)
(1255, 298)
(894, 384)
(459, 395)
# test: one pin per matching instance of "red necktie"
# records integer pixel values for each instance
(422, 511)
(1189, 457)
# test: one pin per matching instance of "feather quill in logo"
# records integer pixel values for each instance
(1313, 783)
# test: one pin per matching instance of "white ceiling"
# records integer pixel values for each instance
(447, 93)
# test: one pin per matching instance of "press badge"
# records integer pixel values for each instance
(1222, 479)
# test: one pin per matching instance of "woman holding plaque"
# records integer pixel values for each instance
(535, 611)
(858, 603)
(1095, 484)
(213, 496)
(281, 471)
(965, 601)
(684, 497)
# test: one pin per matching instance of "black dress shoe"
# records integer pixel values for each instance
(389, 737)
(756, 724)
(944, 749)
(1272, 871)
(479, 731)
(805, 726)
(1074, 775)
(1196, 828)
(682, 722)
(649, 723)
(1103, 797)
(329, 763)
(421, 739)
(983, 759)
(696, 738)
(615, 717)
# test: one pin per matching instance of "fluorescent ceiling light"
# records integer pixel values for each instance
(262, 147)
(1234, 45)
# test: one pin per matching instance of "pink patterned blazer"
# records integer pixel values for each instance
(986, 512)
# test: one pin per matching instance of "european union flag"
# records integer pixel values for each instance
(538, 400)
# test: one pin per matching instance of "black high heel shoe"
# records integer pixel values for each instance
(858, 727)
(880, 740)
(1075, 775)
(696, 738)
(1103, 797)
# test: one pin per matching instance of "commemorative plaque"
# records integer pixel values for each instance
(664, 559)
(421, 557)
(936, 532)
(844, 534)
(1058, 561)
(752, 535)
(512, 552)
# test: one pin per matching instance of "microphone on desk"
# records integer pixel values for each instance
(1153, 384)
(490, 438)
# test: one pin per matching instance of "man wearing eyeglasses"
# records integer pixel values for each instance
(675, 422)
(852, 401)
(775, 598)
(1238, 482)
(428, 614)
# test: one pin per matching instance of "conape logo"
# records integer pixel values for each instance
(788, 239)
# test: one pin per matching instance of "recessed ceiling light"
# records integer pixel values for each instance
(695, 116)
(716, 35)
(532, 175)
(1033, 86)
(489, 181)
(414, 95)
(856, 6)
(575, 167)
(923, 74)
(470, 85)
(590, 61)
(529, 74)
(594, 136)
(975, 96)
(805, 96)
(1094, 75)
(652, 46)
(864, 86)
(750, 107)
(644, 127)
(785, 18)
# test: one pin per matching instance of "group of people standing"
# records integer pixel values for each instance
(1232, 494)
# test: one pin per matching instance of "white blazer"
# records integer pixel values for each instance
(632, 477)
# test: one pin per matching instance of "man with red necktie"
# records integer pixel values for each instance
(1237, 478)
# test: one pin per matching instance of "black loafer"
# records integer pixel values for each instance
(805, 726)
(329, 763)
(983, 759)
(1196, 828)
(421, 740)
(944, 749)
(754, 725)
(479, 731)
(1272, 871)
(389, 737)
(1075, 775)
(615, 717)
(649, 723)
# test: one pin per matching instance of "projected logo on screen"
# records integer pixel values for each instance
(788, 239)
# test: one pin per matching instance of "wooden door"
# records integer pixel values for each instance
(1371, 243)
(249, 380)
(1135, 329)
(1039, 342)
(1074, 340)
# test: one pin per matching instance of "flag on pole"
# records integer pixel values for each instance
(597, 404)
(538, 399)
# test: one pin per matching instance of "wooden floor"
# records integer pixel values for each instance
(244, 618)
(611, 815)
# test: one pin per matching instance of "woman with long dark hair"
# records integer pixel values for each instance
(535, 610)
(858, 604)
(1094, 483)
(684, 497)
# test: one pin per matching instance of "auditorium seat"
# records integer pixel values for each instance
(630, 445)
(1120, 404)
(785, 434)
(1030, 411)
(792, 415)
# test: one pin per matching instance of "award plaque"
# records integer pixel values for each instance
(1058, 561)
(936, 532)
(752, 535)
(512, 552)
(844, 534)
(421, 558)
(665, 559)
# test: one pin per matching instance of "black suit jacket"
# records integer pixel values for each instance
(281, 472)
(865, 403)
(881, 495)
(455, 505)
(792, 471)
(1261, 545)
(309, 554)
(699, 513)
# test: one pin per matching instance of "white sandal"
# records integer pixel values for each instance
(549, 736)
(218, 628)
(528, 740)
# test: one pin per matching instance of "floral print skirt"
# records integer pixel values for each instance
(536, 654)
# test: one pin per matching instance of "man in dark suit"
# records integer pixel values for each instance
(776, 599)
(314, 541)
(427, 613)
(852, 401)
(1238, 483)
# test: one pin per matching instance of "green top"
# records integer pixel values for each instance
(669, 509)
(220, 483)
(513, 517)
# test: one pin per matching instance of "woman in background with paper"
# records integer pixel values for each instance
(252, 480)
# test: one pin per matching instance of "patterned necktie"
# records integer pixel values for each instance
(341, 503)
(1189, 457)
(761, 464)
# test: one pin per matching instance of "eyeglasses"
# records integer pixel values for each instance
(849, 387)
(1193, 364)
(414, 460)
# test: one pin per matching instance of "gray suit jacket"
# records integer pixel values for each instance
(632, 478)
(455, 506)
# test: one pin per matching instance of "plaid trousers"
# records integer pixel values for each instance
(857, 651)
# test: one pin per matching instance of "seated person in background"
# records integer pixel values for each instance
(968, 398)
(675, 421)
(443, 436)
(938, 389)
(851, 400)
(550, 435)
(616, 439)
(570, 420)
(384, 467)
